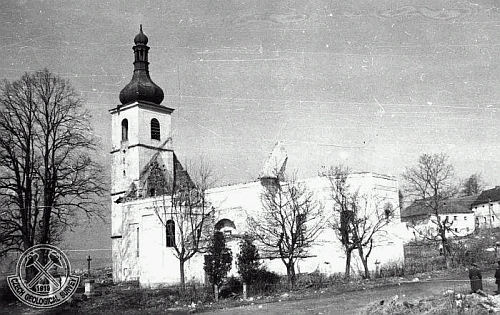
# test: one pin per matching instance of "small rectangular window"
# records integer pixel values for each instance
(170, 231)
(137, 237)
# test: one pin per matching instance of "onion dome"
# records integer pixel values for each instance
(141, 87)
(141, 39)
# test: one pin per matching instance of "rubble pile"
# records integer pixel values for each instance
(450, 303)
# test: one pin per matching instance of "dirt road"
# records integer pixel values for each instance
(354, 302)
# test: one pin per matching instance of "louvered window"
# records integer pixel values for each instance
(125, 130)
(155, 129)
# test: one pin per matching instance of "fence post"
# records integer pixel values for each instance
(377, 269)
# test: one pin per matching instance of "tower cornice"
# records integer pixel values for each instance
(142, 104)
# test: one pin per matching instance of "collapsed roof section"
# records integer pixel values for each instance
(275, 166)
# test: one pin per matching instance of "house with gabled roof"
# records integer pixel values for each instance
(455, 212)
(486, 208)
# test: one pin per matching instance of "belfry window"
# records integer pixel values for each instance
(125, 130)
(170, 233)
(155, 129)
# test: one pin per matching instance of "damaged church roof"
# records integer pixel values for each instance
(276, 163)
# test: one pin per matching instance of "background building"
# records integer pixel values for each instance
(456, 212)
(486, 208)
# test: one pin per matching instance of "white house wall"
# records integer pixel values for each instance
(487, 216)
(462, 224)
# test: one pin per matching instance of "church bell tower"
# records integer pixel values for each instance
(141, 135)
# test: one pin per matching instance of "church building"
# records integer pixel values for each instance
(145, 172)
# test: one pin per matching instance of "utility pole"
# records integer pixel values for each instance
(489, 211)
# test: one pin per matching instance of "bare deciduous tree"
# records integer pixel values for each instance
(290, 222)
(473, 185)
(345, 203)
(371, 218)
(47, 166)
(359, 220)
(184, 211)
(431, 182)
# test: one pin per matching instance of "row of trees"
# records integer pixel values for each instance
(288, 225)
(292, 218)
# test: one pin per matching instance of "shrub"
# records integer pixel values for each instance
(232, 287)
(393, 269)
(265, 282)
(248, 260)
(337, 277)
(314, 279)
(218, 259)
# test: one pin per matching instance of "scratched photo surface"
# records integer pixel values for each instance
(371, 84)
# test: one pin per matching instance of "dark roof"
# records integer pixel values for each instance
(141, 88)
(452, 205)
(485, 196)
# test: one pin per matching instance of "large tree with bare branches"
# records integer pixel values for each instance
(431, 182)
(47, 166)
(359, 219)
(345, 204)
(289, 223)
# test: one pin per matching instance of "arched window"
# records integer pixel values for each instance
(155, 129)
(125, 130)
(170, 233)
(225, 226)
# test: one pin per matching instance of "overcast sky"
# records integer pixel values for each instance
(371, 84)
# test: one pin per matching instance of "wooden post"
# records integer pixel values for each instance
(89, 287)
(377, 269)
